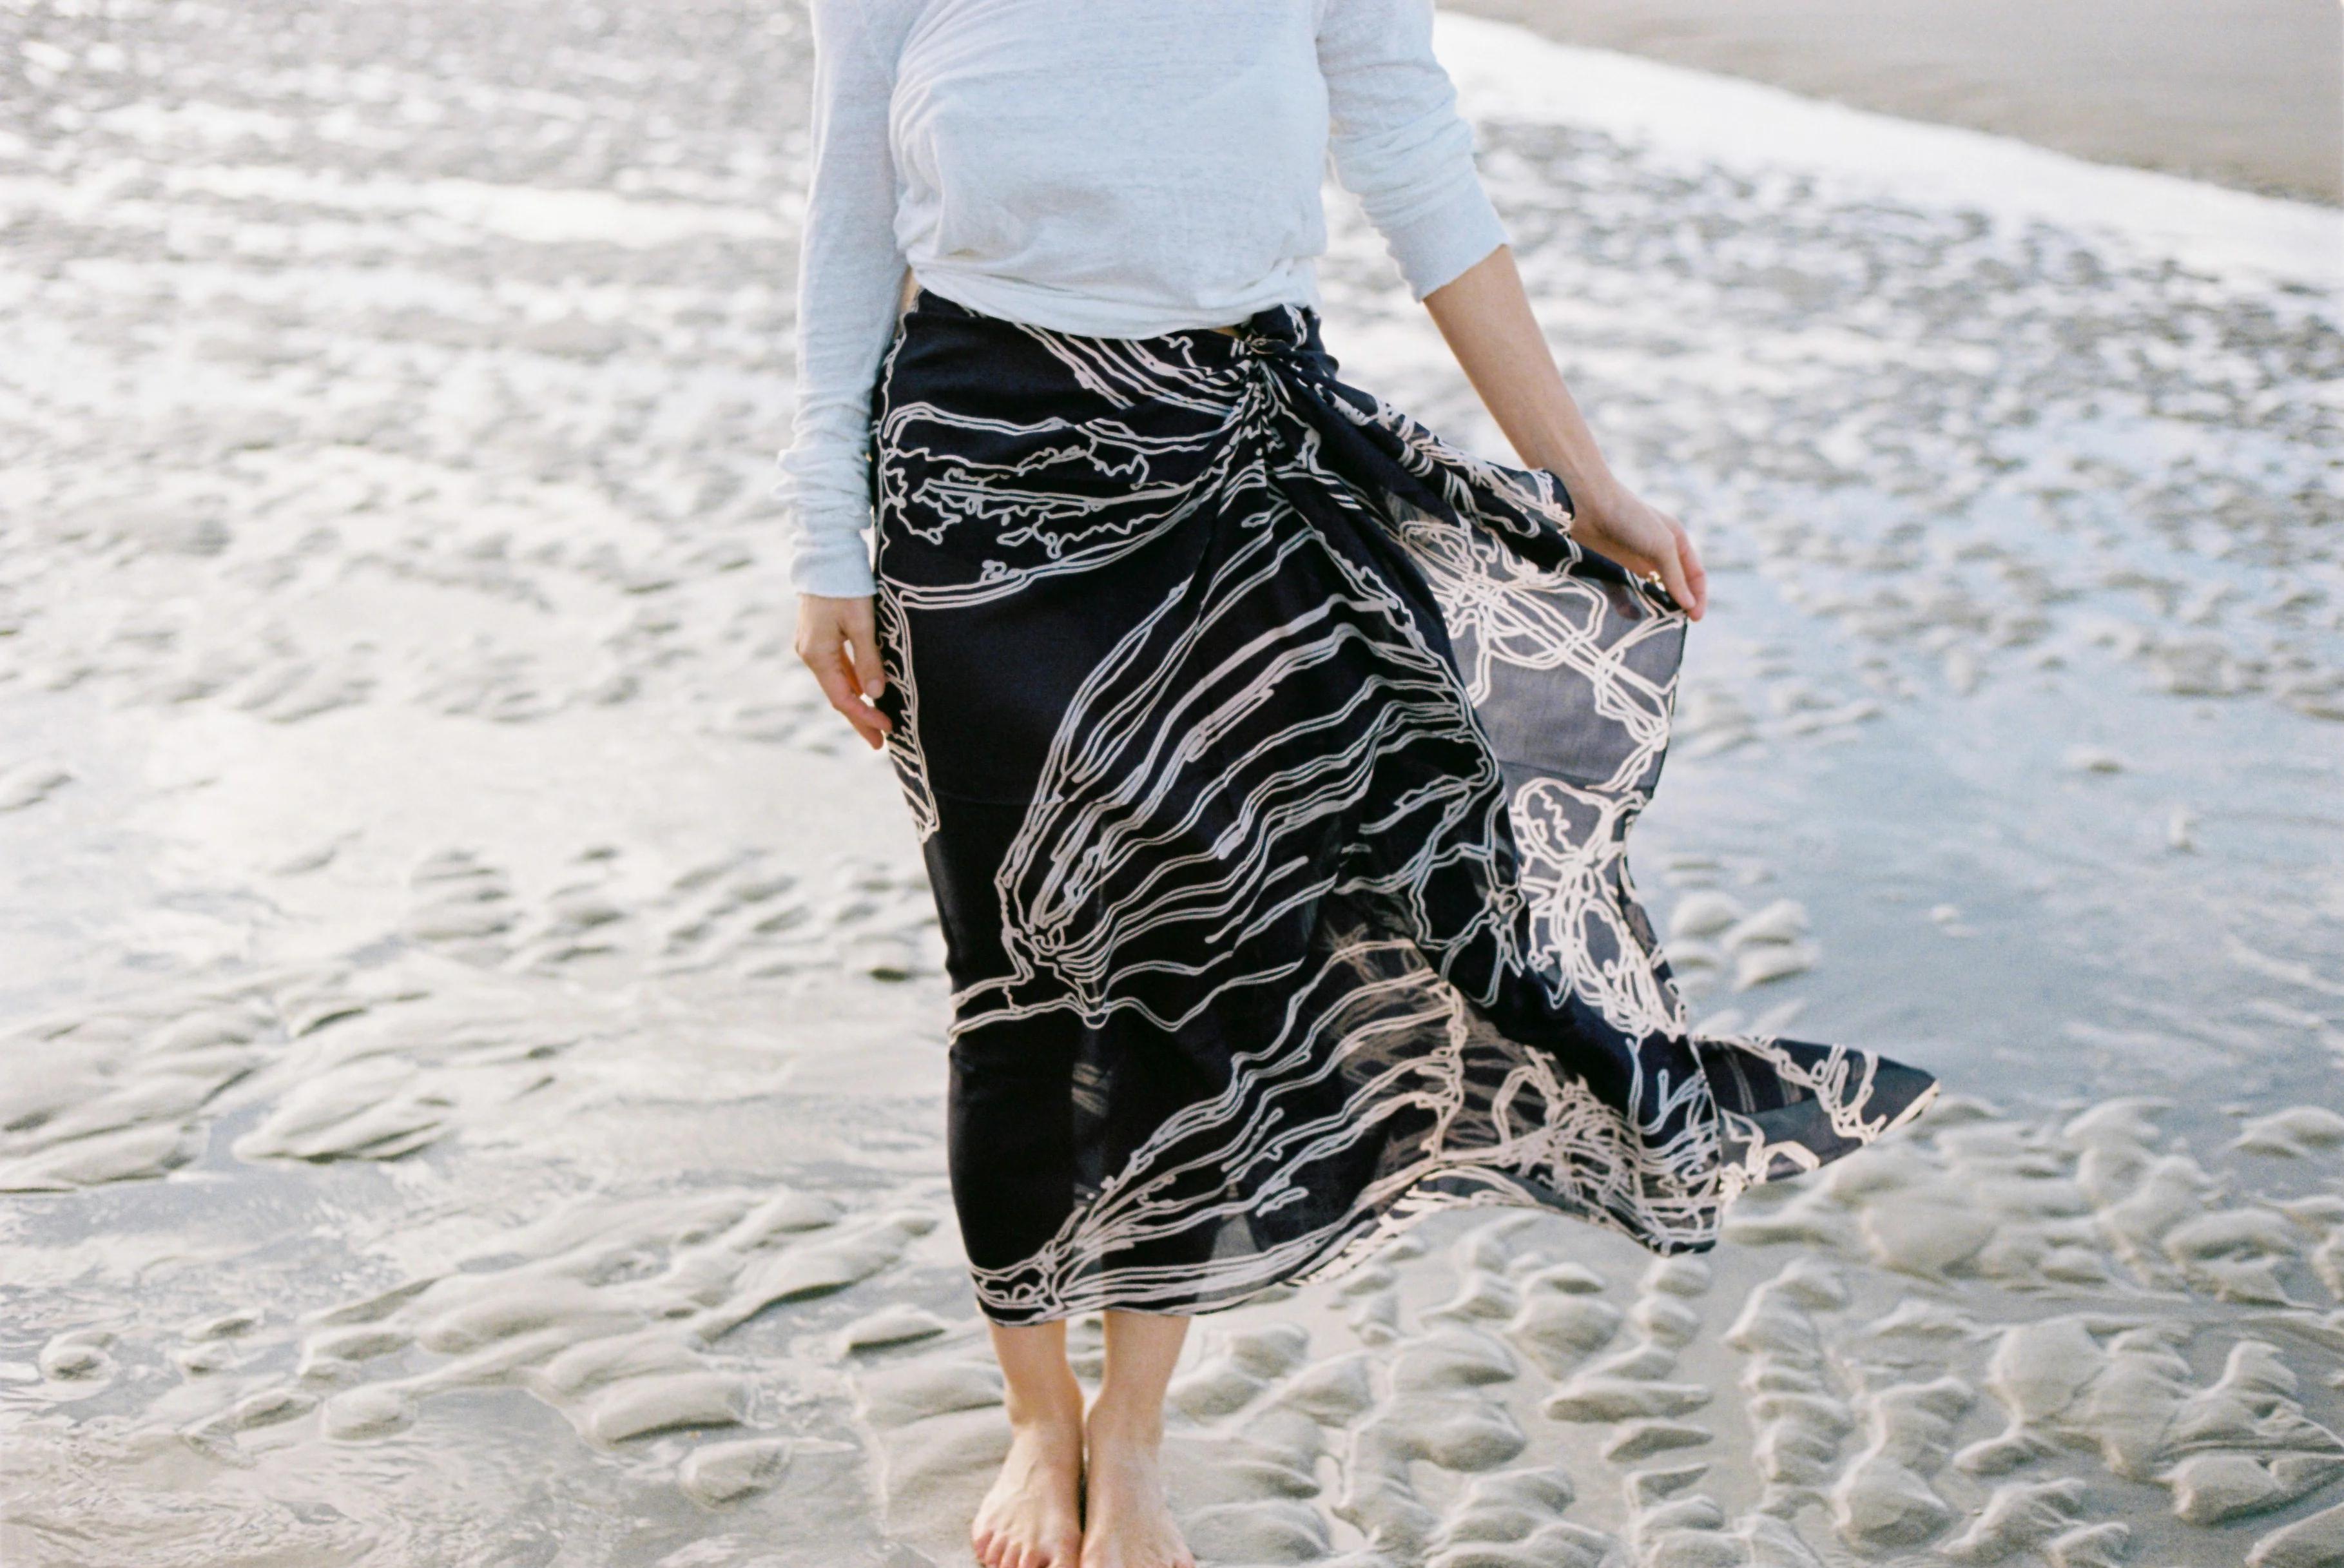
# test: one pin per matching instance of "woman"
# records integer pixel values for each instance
(1273, 759)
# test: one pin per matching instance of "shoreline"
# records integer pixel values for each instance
(1698, 118)
(2236, 94)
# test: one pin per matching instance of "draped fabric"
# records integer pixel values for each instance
(1273, 761)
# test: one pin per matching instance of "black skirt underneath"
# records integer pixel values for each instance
(1274, 762)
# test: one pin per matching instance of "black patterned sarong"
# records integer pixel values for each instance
(1273, 761)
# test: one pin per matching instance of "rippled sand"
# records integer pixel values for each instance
(470, 1089)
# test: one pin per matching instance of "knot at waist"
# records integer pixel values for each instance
(1277, 332)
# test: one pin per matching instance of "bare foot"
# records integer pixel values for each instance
(1032, 1518)
(1127, 1521)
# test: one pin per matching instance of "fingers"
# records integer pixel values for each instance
(837, 684)
(1673, 578)
(1680, 569)
(1696, 576)
(862, 645)
(833, 638)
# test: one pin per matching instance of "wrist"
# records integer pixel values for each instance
(1597, 494)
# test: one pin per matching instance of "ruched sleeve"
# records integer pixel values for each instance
(1398, 141)
(850, 277)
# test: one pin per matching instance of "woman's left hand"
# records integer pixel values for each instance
(1646, 541)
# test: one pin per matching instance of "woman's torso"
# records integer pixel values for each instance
(1125, 165)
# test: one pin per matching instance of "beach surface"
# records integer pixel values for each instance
(472, 1022)
(2250, 93)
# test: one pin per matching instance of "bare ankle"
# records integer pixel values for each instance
(1112, 1422)
(1056, 1408)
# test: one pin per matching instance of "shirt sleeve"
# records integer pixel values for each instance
(1398, 141)
(850, 278)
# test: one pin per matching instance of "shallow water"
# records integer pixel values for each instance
(470, 1092)
(2240, 91)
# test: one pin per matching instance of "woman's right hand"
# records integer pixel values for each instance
(836, 638)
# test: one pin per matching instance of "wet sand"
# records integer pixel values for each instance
(470, 1020)
(2250, 93)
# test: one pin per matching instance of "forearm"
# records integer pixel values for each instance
(1485, 315)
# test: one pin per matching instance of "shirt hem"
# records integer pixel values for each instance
(1090, 317)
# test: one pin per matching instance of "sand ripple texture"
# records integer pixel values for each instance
(470, 1020)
